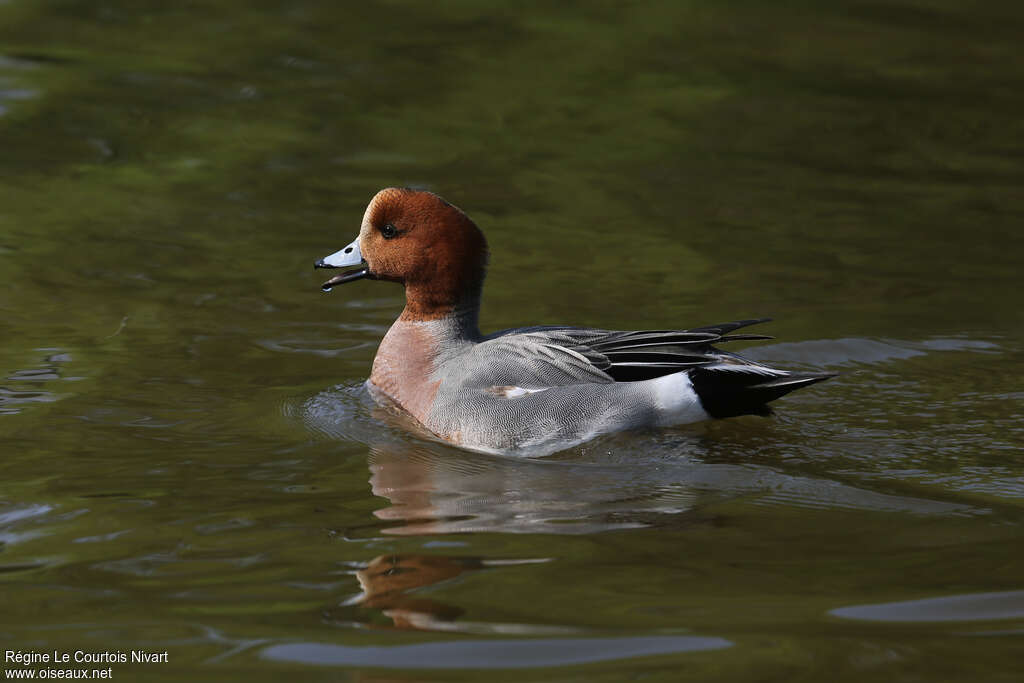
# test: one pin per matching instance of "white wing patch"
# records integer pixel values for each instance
(512, 392)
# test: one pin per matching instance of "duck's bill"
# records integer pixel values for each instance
(349, 256)
(345, 277)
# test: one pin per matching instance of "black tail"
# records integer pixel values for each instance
(726, 391)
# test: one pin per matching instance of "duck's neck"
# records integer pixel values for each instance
(417, 344)
(454, 317)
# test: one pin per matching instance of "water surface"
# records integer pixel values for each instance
(190, 460)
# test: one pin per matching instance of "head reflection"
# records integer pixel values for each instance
(389, 584)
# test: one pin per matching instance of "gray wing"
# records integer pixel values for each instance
(542, 357)
(533, 358)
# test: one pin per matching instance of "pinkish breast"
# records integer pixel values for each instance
(403, 366)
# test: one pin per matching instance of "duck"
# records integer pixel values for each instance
(529, 390)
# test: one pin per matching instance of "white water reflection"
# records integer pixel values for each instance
(967, 607)
(491, 654)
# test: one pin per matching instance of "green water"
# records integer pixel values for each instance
(188, 460)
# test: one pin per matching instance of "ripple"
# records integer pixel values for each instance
(13, 95)
(11, 402)
(967, 607)
(823, 353)
(152, 564)
(16, 568)
(12, 518)
(19, 514)
(347, 412)
(13, 399)
(296, 345)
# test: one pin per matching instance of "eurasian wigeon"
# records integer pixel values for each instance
(532, 389)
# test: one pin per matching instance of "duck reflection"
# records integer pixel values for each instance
(387, 579)
(440, 492)
(388, 583)
(627, 480)
(619, 482)
(433, 488)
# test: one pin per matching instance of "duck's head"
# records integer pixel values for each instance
(420, 240)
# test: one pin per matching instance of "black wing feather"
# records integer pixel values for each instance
(647, 354)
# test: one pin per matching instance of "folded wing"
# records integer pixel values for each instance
(558, 356)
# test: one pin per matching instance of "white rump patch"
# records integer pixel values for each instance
(676, 400)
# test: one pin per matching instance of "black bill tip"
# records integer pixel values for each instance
(344, 277)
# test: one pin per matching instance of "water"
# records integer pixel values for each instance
(191, 465)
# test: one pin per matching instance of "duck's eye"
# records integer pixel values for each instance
(388, 231)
